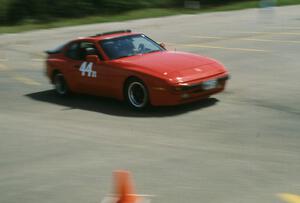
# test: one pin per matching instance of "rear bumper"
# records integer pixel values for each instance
(189, 94)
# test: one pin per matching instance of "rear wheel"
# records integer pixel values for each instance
(60, 84)
(136, 94)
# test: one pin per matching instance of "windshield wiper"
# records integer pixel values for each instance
(152, 51)
(123, 56)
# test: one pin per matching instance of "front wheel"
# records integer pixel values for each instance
(136, 94)
(60, 84)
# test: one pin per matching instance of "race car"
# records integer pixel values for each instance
(132, 67)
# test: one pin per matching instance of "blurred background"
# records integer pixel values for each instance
(242, 145)
(14, 12)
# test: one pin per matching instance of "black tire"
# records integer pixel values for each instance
(136, 94)
(60, 84)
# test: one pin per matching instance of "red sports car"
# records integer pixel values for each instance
(132, 67)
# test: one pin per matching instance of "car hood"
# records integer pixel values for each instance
(174, 66)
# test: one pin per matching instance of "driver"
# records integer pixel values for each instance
(126, 47)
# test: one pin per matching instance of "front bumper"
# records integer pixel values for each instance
(187, 94)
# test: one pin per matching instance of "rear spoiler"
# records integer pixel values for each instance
(57, 50)
(52, 51)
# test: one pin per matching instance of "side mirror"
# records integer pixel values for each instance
(92, 55)
(92, 58)
(91, 51)
(162, 45)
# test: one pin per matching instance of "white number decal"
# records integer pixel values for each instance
(87, 68)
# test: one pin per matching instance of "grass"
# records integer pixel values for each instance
(136, 14)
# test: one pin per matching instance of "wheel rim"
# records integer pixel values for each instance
(60, 84)
(137, 94)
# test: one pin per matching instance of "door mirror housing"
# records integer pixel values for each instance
(162, 45)
(92, 55)
(91, 51)
(93, 58)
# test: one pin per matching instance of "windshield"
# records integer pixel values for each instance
(129, 46)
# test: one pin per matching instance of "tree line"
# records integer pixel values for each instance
(17, 11)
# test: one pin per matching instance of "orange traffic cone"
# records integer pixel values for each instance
(124, 188)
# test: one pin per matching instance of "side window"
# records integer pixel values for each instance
(83, 50)
(146, 44)
(78, 50)
(73, 51)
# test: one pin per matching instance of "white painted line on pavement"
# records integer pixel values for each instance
(271, 40)
(249, 39)
(271, 33)
(206, 37)
(220, 47)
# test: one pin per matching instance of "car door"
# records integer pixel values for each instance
(73, 63)
(80, 71)
(97, 78)
(109, 79)
(90, 72)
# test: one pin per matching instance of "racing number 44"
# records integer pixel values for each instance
(87, 68)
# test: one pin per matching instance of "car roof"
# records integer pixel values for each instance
(110, 35)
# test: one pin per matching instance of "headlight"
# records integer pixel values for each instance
(178, 88)
(185, 96)
(181, 87)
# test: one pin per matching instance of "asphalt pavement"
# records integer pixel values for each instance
(242, 145)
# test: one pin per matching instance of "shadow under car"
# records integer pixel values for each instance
(114, 107)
